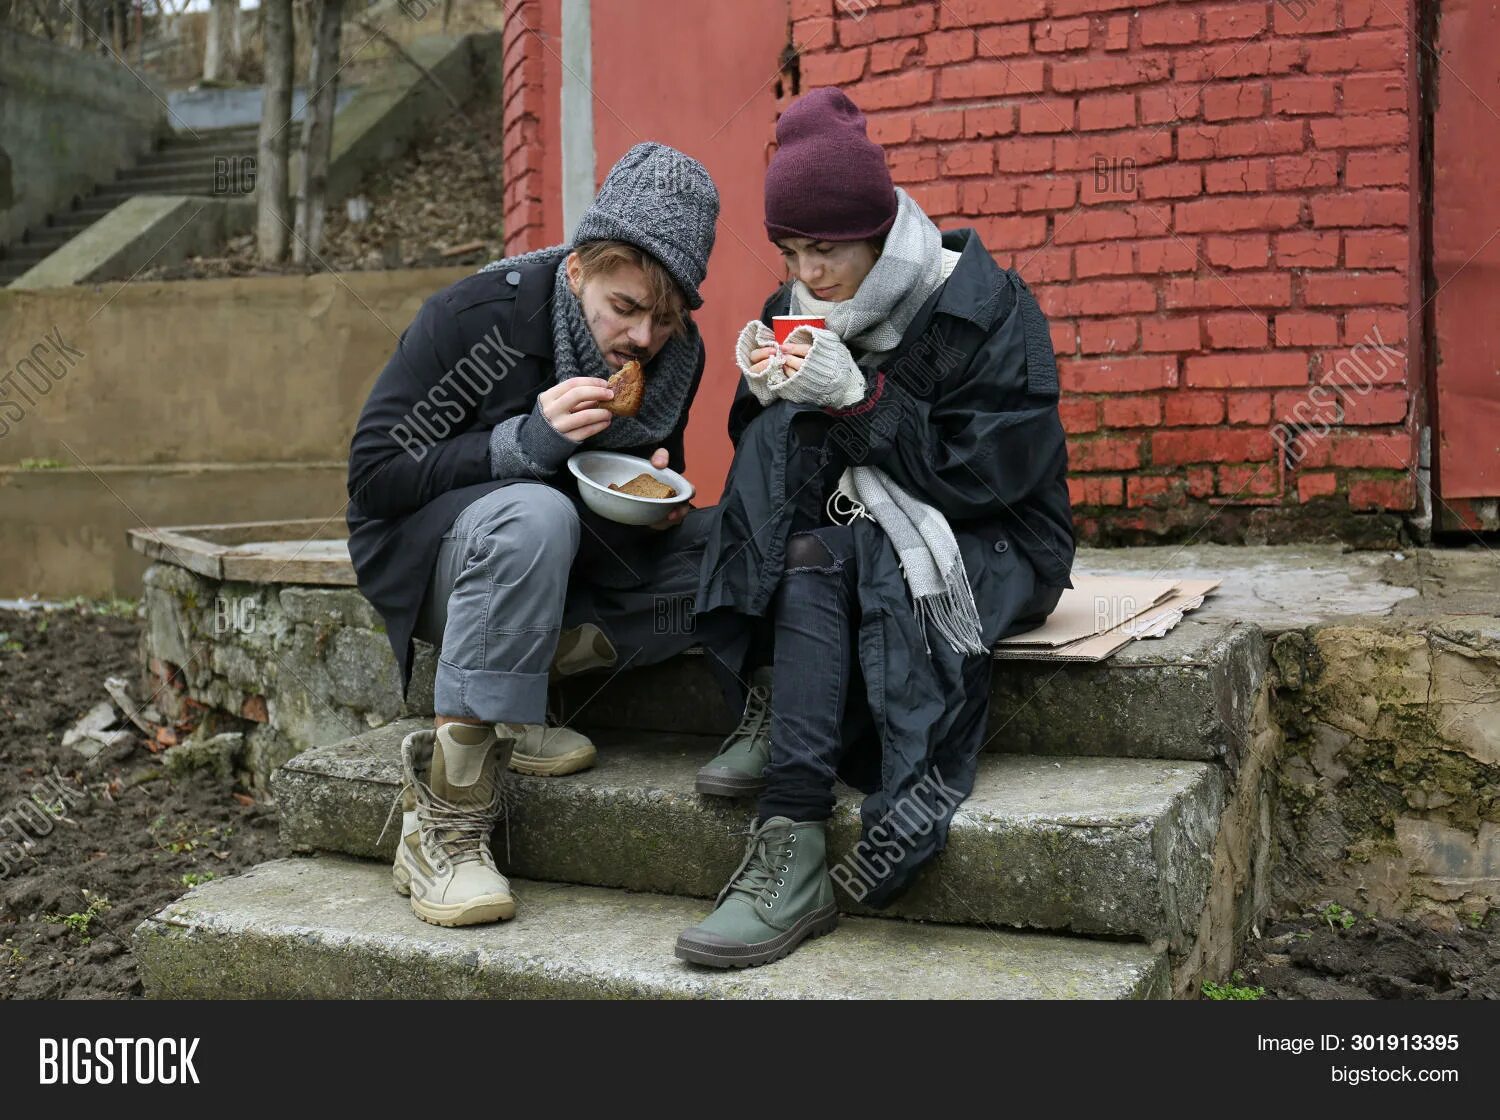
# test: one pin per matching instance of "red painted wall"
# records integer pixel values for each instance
(1213, 201)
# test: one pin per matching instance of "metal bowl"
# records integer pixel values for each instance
(595, 470)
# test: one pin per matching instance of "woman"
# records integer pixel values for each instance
(897, 503)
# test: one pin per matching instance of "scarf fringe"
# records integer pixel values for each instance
(953, 613)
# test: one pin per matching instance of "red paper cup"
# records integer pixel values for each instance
(783, 325)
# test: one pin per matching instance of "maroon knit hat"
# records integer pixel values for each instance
(827, 180)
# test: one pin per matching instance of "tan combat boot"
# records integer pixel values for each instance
(443, 861)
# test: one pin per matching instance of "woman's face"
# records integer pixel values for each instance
(832, 270)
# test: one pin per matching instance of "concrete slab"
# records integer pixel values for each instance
(333, 928)
(1092, 845)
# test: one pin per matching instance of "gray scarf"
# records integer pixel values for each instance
(669, 375)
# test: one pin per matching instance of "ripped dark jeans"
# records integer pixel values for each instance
(816, 670)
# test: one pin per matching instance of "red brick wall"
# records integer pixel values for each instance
(532, 148)
(1213, 202)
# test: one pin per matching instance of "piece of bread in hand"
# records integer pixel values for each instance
(644, 485)
(629, 385)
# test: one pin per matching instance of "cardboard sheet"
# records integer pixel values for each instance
(1094, 605)
(1154, 622)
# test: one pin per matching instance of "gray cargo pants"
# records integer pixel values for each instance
(506, 584)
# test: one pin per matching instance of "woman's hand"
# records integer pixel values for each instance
(793, 352)
(570, 407)
(660, 459)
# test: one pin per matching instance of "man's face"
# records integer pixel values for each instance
(617, 308)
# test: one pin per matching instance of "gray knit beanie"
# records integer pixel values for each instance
(662, 202)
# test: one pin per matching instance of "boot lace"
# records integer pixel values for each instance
(461, 833)
(753, 722)
(758, 877)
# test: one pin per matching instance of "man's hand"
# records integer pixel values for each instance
(570, 408)
(659, 460)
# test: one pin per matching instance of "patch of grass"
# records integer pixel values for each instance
(1235, 989)
(1336, 916)
(42, 464)
(115, 608)
(196, 878)
(9, 644)
(79, 922)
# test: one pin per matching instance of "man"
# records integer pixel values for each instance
(465, 526)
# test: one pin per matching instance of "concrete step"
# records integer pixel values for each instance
(29, 252)
(1090, 845)
(165, 163)
(240, 136)
(333, 928)
(1188, 695)
(204, 184)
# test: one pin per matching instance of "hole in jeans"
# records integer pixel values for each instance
(805, 552)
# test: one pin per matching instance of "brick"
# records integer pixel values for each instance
(1145, 489)
(1107, 336)
(1055, 36)
(1132, 412)
(1168, 27)
(968, 159)
(1300, 329)
(896, 90)
(1210, 445)
(938, 124)
(1174, 180)
(1306, 407)
(1079, 415)
(1119, 375)
(1100, 297)
(1377, 131)
(1305, 17)
(1228, 101)
(1064, 337)
(987, 197)
(1246, 251)
(1375, 406)
(1109, 73)
(1117, 33)
(1374, 93)
(1023, 155)
(1301, 96)
(968, 13)
(1047, 194)
(1175, 254)
(1247, 370)
(1187, 409)
(1376, 250)
(1115, 110)
(1363, 365)
(1077, 7)
(1232, 214)
(913, 163)
(804, 9)
(935, 198)
(1012, 233)
(1158, 335)
(1376, 50)
(1248, 408)
(1294, 173)
(891, 129)
(1048, 114)
(990, 79)
(1143, 147)
(893, 55)
(1168, 104)
(1371, 450)
(1377, 169)
(1316, 484)
(817, 34)
(1236, 60)
(1372, 493)
(1258, 481)
(1236, 331)
(1375, 327)
(1371, 13)
(1104, 453)
(1362, 209)
(1238, 21)
(1096, 490)
(1001, 42)
(1307, 250)
(942, 48)
(1358, 289)
(1048, 265)
(1110, 259)
(894, 23)
(1225, 140)
(1237, 176)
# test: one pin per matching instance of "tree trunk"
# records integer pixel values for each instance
(317, 129)
(219, 57)
(272, 213)
(76, 34)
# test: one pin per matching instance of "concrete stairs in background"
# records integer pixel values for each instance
(181, 165)
(1081, 865)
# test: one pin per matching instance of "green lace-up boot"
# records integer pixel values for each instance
(780, 896)
(739, 769)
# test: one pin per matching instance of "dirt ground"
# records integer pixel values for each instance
(105, 842)
(125, 839)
